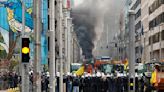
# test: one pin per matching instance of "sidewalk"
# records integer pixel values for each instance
(3, 90)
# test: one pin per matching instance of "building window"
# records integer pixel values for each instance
(162, 35)
(136, 4)
(138, 14)
(137, 38)
(156, 38)
(155, 5)
(155, 22)
(163, 16)
(138, 25)
(150, 40)
(137, 50)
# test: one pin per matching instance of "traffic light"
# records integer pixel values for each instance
(25, 50)
(131, 84)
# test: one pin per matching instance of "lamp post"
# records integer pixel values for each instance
(37, 32)
(24, 66)
(52, 46)
(61, 43)
(131, 51)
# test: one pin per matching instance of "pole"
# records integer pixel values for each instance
(37, 32)
(144, 50)
(25, 78)
(69, 44)
(160, 52)
(131, 51)
(107, 36)
(52, 46)
(160, 35)
(73, 48)
(117, 48)
(152, 55)
(24, 66)
(57, 32)
(23, 19)
(66, 40)
(61, 44)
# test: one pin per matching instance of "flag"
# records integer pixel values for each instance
(141, 48)
(80, 71)
(126, 63)
(68, 4)
(142, 30)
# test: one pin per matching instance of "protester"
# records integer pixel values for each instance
(69, 83)
(75, 83)
(1, 81)
(104, 83)
(154, 77)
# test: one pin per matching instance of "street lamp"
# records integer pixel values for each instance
(131, 50)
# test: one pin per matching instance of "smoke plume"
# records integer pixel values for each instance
(88, 20)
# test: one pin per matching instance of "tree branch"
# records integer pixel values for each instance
(11, 50)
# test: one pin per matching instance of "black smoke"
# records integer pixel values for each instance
(90, 18)
(84, 25)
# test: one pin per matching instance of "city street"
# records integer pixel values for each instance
(81, 45)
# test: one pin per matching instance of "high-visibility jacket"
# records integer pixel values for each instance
(158, 80)
(154, 78)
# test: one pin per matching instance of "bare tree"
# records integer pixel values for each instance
(11, 50)
(5, 62)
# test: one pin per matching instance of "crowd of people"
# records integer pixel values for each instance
(92, 83)
(98, 82)
(73, 83)
(103, 83)
(9, 80)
